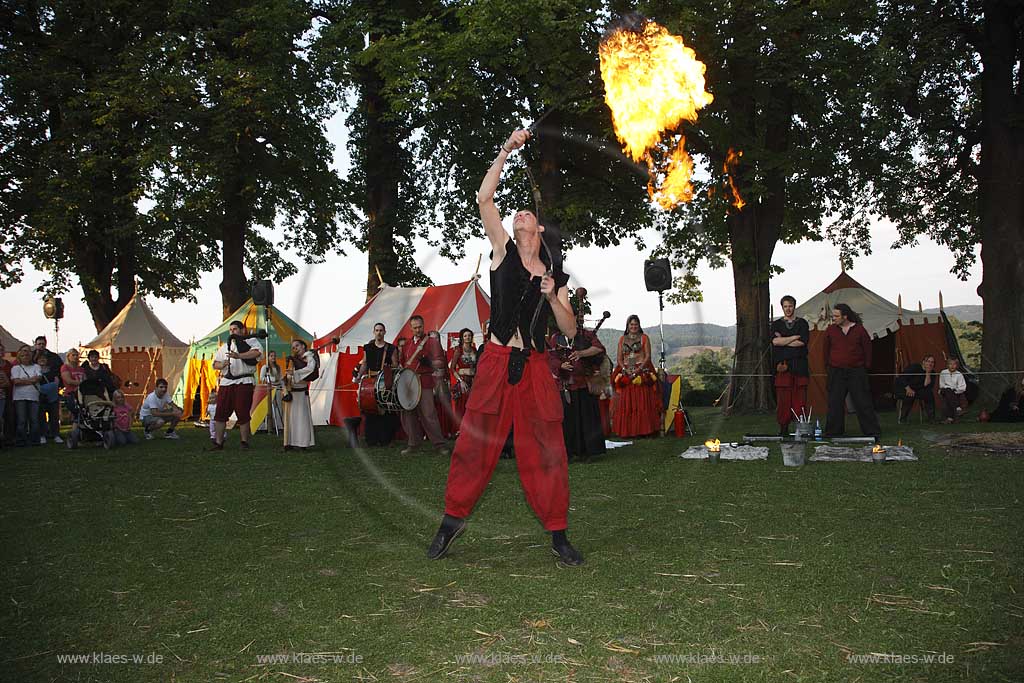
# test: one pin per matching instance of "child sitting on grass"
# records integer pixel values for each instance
(123, 412)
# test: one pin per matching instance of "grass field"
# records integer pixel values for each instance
(211, 562)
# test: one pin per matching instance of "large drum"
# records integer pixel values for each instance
(377, 393)
(407, 389)
(367, 395)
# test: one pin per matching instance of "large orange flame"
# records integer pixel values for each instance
(653, 82)
(732, 160)
(713, 445)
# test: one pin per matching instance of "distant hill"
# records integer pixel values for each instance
(965, 313)
(678, 338)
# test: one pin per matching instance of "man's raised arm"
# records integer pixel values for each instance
(485, 195)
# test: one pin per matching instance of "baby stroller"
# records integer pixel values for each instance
(93, 419)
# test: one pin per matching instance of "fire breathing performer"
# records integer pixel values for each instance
(514, 387)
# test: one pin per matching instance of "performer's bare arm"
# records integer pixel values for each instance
(485, 196)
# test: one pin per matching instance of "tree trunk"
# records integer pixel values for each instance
(1002, 203)
(234, 285)
(383, 157)
(752, 249)
(753, 233)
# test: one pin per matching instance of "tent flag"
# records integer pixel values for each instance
(675, 383)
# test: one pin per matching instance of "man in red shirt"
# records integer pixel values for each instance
(847, 359)
(423, 355)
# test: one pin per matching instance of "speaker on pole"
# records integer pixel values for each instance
(53, 308)
(263, 293)
(657, 275)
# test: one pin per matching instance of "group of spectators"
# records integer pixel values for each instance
(847, 354)
(40, 383)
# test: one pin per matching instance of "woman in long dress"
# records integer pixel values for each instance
(463, 367)
(298, 418)
(636, 410)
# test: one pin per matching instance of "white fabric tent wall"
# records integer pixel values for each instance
(322, 394)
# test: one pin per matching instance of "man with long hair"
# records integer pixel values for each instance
(847, 360)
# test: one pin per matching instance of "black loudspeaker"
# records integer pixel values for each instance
(657, 275)
(263, 293)
(53, 308)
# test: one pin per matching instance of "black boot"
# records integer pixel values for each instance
(451, 528)
(561, 547)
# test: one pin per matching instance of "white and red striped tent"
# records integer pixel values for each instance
(445, 308)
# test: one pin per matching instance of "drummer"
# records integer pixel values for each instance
(423, 355)
(379, 356)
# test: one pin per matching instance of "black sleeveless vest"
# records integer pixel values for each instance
(514, 298)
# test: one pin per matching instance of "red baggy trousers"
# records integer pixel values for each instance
(790, 396)
(533, 409)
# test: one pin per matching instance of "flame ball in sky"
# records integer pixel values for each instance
(653, 83)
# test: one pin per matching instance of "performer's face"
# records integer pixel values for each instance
(837, 316)
(236, 329)
(297, 349)
(525, 222)
(634, 327)
(788, 308)
(417, 328)
(467, 338)
(378, 332)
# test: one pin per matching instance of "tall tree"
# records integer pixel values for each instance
(247, 150)
(788, 81)
(75, 139)
(951, 89)
(477, 70)
(382, 200)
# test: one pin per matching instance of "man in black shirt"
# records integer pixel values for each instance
(790, 335)
(514, 387)
(917, 383)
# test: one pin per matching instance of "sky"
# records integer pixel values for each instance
(322, 296)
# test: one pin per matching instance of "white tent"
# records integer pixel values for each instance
(139, 348)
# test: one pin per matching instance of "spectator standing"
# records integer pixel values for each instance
(847, 359)
(25, 377)
(49, 400)
(5, 391)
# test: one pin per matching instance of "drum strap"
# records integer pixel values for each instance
(419, 349)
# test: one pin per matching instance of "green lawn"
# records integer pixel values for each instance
(210, 561)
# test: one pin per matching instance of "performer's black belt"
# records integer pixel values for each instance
(296, 390)
(517, 364)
